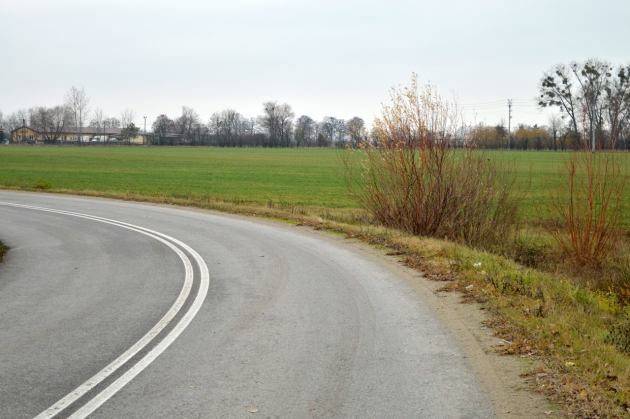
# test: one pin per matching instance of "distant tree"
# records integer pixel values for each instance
(356, 131)
(329, 126)
(277, 122)
(502, 133)
(129, 132)
(50, 122)
(126, 118)
(77, 104)
(186, 123)
(341, 131)
(304, 131)
(111, 122)
(531, 138)
(16, 119)
(98, 121)
(162, 127)
(323, 140)
(617, 99)
(555, 125)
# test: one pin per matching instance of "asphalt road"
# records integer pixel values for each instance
(291, 325)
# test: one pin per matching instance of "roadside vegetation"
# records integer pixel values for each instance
(3, 251)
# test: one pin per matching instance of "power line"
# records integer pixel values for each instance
(497, 102)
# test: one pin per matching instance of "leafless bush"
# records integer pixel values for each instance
(588, 200)
(415, 178)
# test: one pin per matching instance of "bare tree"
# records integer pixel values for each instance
(579, 91)
(555, 125)
(77, 104)
(16, 120)
(186, 124)
(162, 127)
(277, 122)
(304, 131)
(128, 127)
(617, 95)
(50, 122)
(356, 131)
(98, 121)
(329, 127)
(112, 122)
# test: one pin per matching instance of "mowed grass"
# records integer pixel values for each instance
(290, 176)
(309, 177)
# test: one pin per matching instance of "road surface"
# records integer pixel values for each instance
(107, 311)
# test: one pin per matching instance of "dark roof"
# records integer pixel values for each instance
(84, 130)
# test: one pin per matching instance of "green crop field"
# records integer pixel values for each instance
(292, 176)
(297, 176)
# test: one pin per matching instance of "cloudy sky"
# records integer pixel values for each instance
(325, 58)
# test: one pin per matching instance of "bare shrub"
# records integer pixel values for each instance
(413, 177)
(588, 200)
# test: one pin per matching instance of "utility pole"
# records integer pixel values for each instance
(145, 129)
(509, 120)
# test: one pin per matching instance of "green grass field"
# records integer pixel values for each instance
(294, 176)
(285, 176)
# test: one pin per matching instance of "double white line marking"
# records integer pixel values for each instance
(109, 391)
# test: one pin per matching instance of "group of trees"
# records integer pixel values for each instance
(594, 100)
(275, 127)
(553, 136)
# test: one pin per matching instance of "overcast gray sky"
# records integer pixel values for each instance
(325, 58)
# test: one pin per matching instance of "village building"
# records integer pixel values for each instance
(30, 135)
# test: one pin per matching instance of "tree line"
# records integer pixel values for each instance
(592, 97)
(275, 127)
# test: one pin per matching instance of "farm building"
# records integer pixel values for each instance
(30, 135)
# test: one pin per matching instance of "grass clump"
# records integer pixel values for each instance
(42, 184)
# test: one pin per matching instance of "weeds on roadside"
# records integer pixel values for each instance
(413, 178)
(588, 203)
(42, 184)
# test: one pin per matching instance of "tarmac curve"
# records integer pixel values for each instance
(111, 309)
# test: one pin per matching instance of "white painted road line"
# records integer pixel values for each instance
(103, 396)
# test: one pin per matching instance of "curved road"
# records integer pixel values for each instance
(291, 325)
